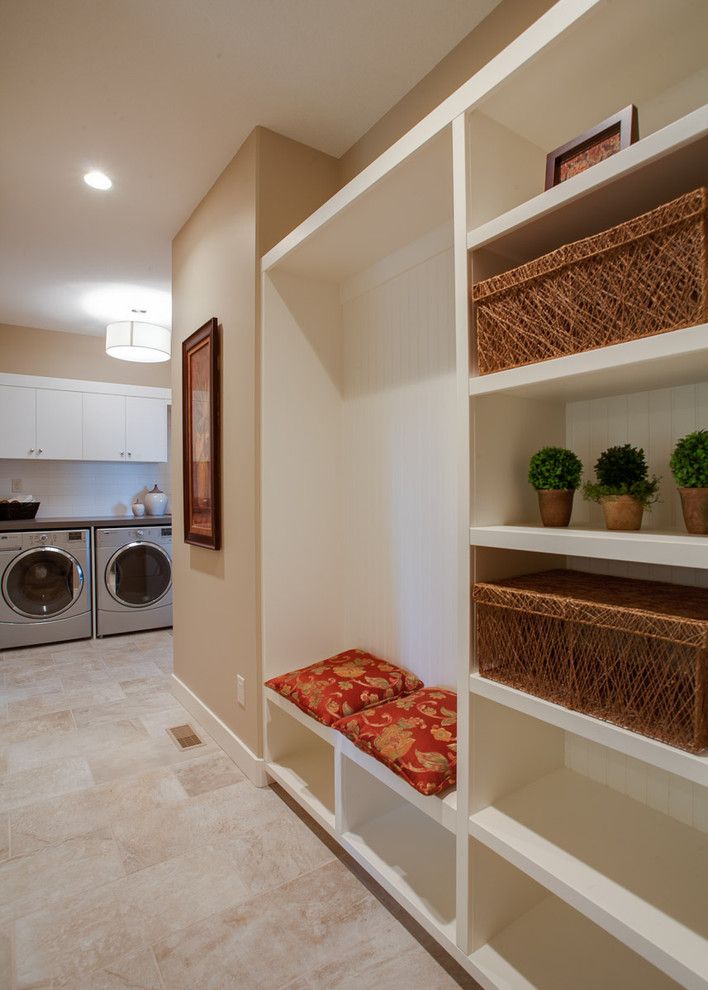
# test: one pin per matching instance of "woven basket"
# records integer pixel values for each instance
(12, 511)
(643, 277)
(630, 652)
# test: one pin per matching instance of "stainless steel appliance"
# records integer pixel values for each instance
(134, 579)
(45, 579)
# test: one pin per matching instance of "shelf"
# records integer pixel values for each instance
(687, 765)
(678, 357)
(442, 810)
(325, 732)
(308, 777)
(636, 872)
(552, 947)
(360, 226)
(656, 169)
(304, 249)
(414, 859)
(677, 549)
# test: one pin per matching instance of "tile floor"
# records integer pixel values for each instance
(125, 862)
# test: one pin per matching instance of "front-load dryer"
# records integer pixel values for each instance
(134, 579)
(45, 578)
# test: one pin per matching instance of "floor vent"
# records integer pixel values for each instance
(185, 736)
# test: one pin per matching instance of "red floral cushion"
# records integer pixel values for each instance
(343, 685)
(415, 736)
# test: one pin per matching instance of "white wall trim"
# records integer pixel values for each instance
(245, 759)
(77, 385)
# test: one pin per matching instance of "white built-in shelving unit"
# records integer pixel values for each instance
(573, 852)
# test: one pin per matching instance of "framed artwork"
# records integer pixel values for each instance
(612, 135)
(201, 437)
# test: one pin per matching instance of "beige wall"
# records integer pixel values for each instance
(30, 351)
(271, 184)
(495, 32)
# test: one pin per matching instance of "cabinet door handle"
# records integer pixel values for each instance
(130, 453)
(122, 453)
(31, 450)
(39, 450)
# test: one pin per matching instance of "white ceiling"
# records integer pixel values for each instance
(160, 94)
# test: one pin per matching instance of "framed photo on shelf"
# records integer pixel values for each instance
(600, 142)
(201, 437)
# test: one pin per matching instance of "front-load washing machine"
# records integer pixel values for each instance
(134, 579)
(46, 587)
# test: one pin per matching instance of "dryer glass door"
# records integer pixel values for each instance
(139, 574)
(42, 583)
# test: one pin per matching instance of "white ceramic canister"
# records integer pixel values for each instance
(138, 509)
(155, 502)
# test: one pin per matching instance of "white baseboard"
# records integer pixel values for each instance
(244, 758)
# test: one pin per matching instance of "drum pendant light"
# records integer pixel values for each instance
(130, 340)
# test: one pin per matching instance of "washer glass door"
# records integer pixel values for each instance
(139, 574)
(42, 582)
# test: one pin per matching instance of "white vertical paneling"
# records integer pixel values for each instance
(665, 792)
(301, 538)
(400, 472)
(465, 774)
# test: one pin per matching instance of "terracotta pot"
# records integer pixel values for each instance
(622, 512)
(555, 505)
(694, 502)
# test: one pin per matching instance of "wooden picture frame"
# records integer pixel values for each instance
(201, 437)
(600, 142)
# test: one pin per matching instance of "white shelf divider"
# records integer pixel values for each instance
(403, 852)
(639, 874)
(666, 359)
(552, 947)
(678, 549)
(675, 153)
(308, 777)
(325, 732)
(442, 810)
(690, 766)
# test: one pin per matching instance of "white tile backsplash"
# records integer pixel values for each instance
(83, 488)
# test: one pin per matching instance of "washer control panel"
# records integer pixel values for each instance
(73, 538)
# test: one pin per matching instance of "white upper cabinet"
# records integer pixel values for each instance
(104, 427)
(57, 419)
(59, 425)
(145, 429)
(17, 422)
(124, 428)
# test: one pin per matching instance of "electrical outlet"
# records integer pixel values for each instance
(16, 485)
(241, 690)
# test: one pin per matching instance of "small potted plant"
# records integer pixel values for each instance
(689, 466)
(623, 487)
(555, 474)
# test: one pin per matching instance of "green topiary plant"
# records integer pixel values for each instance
(623, 470)
(689, 461)
(555, 468)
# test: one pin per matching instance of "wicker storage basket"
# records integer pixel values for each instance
(643, 277)
(631, 652)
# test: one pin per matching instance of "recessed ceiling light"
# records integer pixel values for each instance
(97, 180)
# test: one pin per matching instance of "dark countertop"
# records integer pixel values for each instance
(83, 522)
